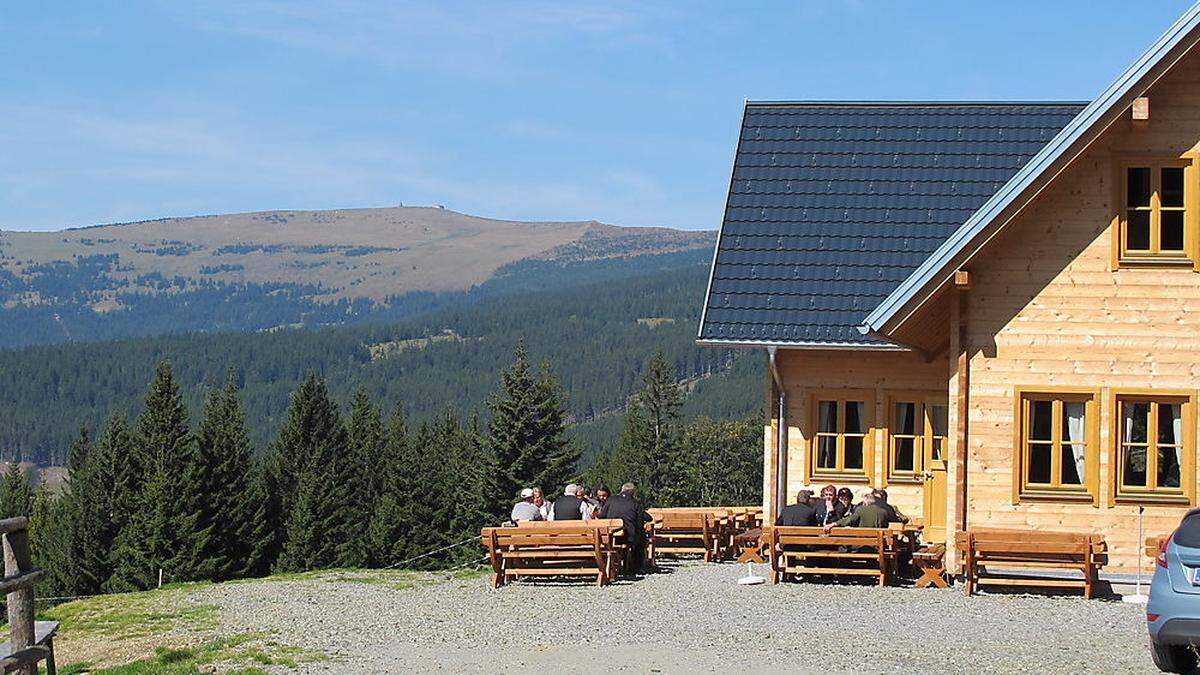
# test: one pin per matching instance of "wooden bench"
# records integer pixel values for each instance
(1029, 551)
(930, 561)
(30, 642)
(571, 548)
(43, 648)
(612, 536)
(750, 544)
(855, 551)
(690, 532)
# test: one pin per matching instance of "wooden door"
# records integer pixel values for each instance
(934, 448)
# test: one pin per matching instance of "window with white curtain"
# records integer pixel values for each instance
(916, 434)
(1056, 443)
(840, 441)
(1152, 448)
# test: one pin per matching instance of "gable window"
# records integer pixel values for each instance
(1154, 448)
(1154, 219)
(916, 433)
(840, 445)
(1056, 446)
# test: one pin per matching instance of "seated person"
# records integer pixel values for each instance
(525, 509)
(846, 498)
(829, 509)
(868, 514)
(894, 515)
(800, 514)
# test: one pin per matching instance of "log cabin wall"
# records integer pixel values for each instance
(878, 375)
(1050, 308)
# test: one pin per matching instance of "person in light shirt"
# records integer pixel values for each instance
(586, 507)
(539, 500)
(525, 509)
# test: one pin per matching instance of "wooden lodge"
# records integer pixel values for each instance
(990, 309)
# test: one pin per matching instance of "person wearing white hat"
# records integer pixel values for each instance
(526, 509)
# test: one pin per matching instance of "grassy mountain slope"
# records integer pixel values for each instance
(595, 321)
(280, 268)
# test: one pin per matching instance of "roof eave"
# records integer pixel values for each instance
(925, 280)
(781, 344)
(712, 268)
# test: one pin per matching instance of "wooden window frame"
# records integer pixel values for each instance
(924, 400)
(1186, 493)
(1191, 219)
(1022, 490)
(841, 396)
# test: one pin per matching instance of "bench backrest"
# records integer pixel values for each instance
(543, 537)
(602, 523)
(684, 521)
(842, 536)
(1030, 543)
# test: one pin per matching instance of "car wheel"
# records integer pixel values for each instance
(1173, 658)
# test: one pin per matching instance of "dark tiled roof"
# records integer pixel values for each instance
(832, 205)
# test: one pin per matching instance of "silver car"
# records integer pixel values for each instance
(1173, 610)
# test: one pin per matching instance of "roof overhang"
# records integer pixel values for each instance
(834, 346)
(938, 270)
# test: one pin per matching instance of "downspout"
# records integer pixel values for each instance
(781, 441)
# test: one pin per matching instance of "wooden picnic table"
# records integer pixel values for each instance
(556, 548)
(987, 551)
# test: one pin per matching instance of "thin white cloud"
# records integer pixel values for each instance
(481, 40)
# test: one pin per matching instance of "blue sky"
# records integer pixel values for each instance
(621, 112)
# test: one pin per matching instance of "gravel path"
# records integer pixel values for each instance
(692, 619)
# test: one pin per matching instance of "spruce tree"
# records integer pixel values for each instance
(648, 450)
(309, 454)
(265, 526)
(393, 512)
(528, 429)
(83, 519)
(361, 486)
(124, 471)
(219, 479)
(162, 533)
(471, 492)
(49, 539)
(16, 494)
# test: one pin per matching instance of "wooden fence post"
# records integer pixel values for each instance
(18, 562)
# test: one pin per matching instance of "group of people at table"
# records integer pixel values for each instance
(837, 508)
(577, 503)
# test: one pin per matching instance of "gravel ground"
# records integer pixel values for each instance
(693, 618)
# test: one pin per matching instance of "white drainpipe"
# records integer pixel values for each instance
(781, 444)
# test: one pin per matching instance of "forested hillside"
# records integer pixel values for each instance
(594, 322)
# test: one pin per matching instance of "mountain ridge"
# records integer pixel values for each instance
(262, 269)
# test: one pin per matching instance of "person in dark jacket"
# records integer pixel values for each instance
(800, 514)
(894, 515)
(829, 509)
(633, 518)
(868, 514)
(568, 506)
(846, 498)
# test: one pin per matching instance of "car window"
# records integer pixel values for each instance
(1188, 533)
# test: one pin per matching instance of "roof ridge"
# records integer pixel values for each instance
(915, 103)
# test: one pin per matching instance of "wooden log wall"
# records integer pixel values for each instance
(1048, 307)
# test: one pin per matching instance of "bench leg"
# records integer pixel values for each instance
(51, 669)
(932, 576)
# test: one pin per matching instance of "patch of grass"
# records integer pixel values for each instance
(398, 579)
(470, 573)
(238, 649)
(127, 615)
